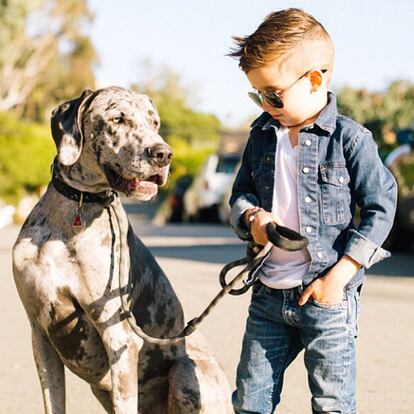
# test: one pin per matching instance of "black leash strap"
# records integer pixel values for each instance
(281, 236)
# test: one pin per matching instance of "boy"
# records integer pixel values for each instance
(305, 167)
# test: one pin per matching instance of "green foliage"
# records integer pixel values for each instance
(380, 112)
(26, 153)
(193, 135)
(174, 104)
(186, 159)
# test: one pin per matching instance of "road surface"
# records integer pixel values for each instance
(192, 256)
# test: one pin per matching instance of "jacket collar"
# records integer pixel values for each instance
(327, 118)
(262, 121)
(325, 121)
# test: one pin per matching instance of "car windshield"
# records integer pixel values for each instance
(226, 164)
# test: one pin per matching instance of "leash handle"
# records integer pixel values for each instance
(282, 237)
(285, 238)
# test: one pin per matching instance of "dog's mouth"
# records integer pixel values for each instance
(132, 185)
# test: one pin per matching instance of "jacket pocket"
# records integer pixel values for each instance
(335, 193)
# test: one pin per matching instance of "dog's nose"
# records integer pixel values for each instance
(161, 154)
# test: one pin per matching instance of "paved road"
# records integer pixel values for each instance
(192, 257)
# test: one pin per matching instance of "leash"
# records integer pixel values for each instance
(280, 236)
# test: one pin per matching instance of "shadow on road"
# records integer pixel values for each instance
(219, 254)
(398, 265)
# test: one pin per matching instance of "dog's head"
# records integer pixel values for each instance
(112, 134)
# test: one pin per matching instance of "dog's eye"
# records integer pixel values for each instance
(117, 120)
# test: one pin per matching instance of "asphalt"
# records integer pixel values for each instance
(192, 256)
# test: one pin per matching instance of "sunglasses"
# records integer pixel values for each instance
(275, 98)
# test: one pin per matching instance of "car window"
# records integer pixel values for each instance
(226, 165)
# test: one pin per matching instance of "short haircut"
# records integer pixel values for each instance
(282, 34)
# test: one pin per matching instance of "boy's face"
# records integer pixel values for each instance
(303, 97)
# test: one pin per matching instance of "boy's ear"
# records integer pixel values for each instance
(316, 79)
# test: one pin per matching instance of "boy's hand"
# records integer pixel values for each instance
(329, 289)
(258, 226)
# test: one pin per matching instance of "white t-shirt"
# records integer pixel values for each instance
(283, 269)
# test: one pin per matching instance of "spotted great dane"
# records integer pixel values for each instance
(76, 242)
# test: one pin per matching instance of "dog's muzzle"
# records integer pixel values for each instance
(160, 154)
(129, 185)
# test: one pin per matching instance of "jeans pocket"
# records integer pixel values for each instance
(341, 304)
(338, 305)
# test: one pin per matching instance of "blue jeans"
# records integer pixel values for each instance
(277, 330)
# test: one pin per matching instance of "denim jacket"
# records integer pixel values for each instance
(338, 168)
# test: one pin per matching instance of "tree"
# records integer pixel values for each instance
(176, 108)
(67, 76)
(192, 134)
(32, 35)
(380, 112)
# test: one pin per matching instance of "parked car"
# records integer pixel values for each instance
(400, 161)
(176, 199)
(206, 192)
(224, 207)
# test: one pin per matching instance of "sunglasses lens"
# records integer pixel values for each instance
(274, 100)
(255, 98)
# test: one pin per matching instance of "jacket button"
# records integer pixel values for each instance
(308, 142)
(308, 199)
(308, 229)
(341, 179)
(305, 170)
(319, 254)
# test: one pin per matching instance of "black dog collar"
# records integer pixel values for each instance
(104, 198)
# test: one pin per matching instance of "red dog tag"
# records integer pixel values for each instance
(78, 224)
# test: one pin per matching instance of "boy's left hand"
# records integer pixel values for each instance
(329, 289)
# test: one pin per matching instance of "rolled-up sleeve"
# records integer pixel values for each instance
(375, 192)
(243, 195)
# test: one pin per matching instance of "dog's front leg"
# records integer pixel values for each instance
(122, 347)
(51, 373)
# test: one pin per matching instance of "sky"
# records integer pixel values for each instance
(374, 42)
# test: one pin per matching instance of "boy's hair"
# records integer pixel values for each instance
(278, 35)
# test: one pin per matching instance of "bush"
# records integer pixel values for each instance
(186, 159)
(26, 153)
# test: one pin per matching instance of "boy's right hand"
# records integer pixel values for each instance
(258, 226)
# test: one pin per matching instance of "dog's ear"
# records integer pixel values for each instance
(153, 104)
(66, 127)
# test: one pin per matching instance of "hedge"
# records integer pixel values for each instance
(26, 153)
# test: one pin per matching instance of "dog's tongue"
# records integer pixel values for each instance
(133, 184)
